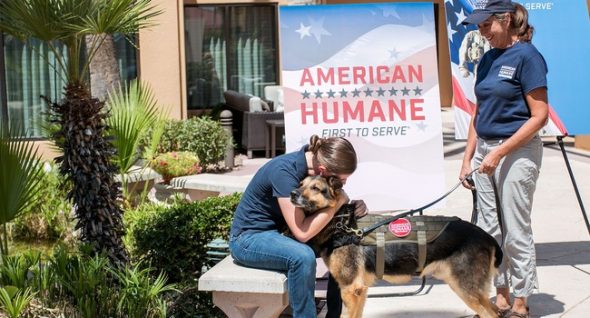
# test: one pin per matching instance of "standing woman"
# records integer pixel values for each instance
(265, 211)
(503, 141)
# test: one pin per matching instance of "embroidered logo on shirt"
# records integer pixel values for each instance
(506, 71)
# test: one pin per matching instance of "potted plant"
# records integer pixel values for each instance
(171, 165)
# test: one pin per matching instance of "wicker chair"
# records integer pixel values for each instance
(249, 128)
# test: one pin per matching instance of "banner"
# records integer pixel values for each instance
(552, 39)
(368, 72)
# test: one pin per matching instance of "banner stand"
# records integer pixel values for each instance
(569, 170)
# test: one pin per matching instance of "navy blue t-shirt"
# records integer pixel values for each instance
(259, 209)
(504, 77)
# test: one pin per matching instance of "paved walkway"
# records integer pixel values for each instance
(562, 239)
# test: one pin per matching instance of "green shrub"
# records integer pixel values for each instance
(174, 240)
(201, 135)
(131, 217)
(48, 217)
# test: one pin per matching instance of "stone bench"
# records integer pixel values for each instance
(247, 292)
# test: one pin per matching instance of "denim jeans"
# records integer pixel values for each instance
(274, 251)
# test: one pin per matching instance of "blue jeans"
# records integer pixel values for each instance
(274, 251)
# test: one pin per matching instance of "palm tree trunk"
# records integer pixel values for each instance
(87, 160)
(104, 69)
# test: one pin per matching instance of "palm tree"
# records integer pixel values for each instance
(87, 153)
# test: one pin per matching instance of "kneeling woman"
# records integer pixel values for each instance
(266, 210)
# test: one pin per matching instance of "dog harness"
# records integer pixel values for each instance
(423, 231)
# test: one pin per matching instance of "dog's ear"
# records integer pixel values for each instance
(335, 183)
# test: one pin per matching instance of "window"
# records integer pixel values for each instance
(30, 71)
(229, 47)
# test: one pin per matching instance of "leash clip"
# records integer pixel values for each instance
(345, 228)
(358, 232)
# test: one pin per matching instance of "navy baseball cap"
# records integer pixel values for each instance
(485, 9)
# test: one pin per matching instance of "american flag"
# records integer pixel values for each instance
(464, 78)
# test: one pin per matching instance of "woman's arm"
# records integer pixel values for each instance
(469, 151)
(304, 227)
(537, 102)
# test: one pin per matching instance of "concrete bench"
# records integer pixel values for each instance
(201, 186)
(247, 292)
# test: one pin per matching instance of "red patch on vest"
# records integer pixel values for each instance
(400, 227)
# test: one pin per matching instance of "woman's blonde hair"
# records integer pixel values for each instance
(519, 22)
(335, 153)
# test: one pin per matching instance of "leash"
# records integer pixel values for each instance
(498, 208)
(366, 230)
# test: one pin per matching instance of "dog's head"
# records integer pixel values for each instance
(316, 192)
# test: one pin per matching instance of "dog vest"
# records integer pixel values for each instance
(419, 230)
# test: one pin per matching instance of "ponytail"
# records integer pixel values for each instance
(520, 23)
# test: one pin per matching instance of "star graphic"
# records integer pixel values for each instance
(380, 92)
(305, 94)
(343, 93)
(389, 11)
(421, 126)
(417, 91)
(317, 29)
(392, 91)
(460, 17)
(450, 31)
(405, 91)
(356, 93)
(368, 92)
(303, 31)
(393, 54)
(318, 94)
(331, 93)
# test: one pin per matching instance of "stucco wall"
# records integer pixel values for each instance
(161, 58)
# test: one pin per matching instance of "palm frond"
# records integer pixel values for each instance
(69, 21)
(39, 19)
(119, 16)
(20, 174)
(133, 112)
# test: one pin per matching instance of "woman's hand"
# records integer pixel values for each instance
(490, 162)
(465, 171)
(360, 208)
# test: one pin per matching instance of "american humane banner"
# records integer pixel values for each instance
(368, 72)
(559, 41)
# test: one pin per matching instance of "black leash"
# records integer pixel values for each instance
(366, 230)
(498, 208)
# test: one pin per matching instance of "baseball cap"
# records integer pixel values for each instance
(485, 9)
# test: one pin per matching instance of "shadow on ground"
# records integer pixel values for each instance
(563, 253)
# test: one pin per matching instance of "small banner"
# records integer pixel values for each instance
(368, 72)
(560, 44)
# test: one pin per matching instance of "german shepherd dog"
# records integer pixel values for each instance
(463, 255)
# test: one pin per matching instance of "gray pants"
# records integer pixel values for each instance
(515, 178)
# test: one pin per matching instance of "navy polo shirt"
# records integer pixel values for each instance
(504, 77)
(259, 209)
